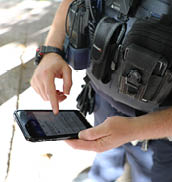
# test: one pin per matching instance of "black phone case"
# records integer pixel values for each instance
(26, 131)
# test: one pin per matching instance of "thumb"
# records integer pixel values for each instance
(93, 133)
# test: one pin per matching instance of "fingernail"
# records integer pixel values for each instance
(79, 135)
(55, 111)
(67, 92)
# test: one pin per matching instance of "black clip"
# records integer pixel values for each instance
(133, 81)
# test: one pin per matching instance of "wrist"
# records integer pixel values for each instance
(127, 127)
(136, 129)
(133, 129)
(145, 127)
(52, 56)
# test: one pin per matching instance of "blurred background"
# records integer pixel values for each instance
(24, 25)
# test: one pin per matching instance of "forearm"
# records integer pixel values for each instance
(117, 130)
(56, 34)
(154, 125)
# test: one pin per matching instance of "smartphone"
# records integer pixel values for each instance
(43, 125)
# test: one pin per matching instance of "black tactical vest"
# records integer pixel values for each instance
(130, 61)
(138, 74)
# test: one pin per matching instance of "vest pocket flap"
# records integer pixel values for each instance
(143, 60)
(139, 65)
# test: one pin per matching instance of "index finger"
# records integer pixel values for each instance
(51, 93)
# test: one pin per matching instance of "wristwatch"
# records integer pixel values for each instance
(42, 50)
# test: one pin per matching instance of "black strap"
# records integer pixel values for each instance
(86, 100)
(49, 49)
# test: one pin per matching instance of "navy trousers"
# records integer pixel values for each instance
(154, 165)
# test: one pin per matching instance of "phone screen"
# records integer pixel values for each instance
(44, 125)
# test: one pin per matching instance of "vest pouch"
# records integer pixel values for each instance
(77, 22)
(146, 75)
(142, 72)
(77, 26)
(77, 58)
(108, 35)
(142, 78)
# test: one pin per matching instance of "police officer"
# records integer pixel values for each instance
(115, 129)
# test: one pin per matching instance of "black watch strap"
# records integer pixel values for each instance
(42, 50)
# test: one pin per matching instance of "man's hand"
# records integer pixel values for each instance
(115, 131)
(52, 66)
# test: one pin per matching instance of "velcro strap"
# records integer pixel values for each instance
(158, 9)
(108, 29)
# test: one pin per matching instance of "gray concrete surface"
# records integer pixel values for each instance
(24, 26)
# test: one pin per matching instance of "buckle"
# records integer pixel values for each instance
(133, 81)
(160, 67)
(38, 56)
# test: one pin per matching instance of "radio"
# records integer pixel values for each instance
(80, 26)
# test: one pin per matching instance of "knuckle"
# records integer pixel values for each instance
(68, 69)
(48, 91)
(31, 82)
(90, 134)
(100, 145)
(70, 83)
(36, 79)
(108, 125)
(43, 74)
(44, 98)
